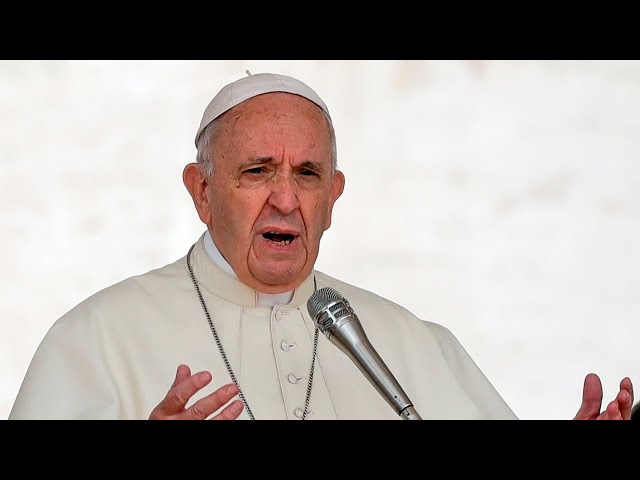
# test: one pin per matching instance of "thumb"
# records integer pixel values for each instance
(591, 398)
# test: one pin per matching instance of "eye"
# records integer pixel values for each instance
(308, 173)
(255, 170)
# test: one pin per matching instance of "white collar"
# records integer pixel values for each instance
(262, 299)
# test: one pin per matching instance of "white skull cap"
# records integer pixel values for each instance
(251, 86)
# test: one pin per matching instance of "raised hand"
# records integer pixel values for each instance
(617, 409)
(185, 386)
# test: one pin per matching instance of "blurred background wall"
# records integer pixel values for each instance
(499, 198)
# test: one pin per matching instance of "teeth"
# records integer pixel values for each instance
(282, 242)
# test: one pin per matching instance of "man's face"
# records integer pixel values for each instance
(272, 191)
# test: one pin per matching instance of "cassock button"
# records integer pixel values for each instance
(278, 314)
(293, 378)
(298, 412)
(286, 346)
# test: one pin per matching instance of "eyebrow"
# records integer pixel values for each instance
(317, 166)
(313, 166)
(257, 161)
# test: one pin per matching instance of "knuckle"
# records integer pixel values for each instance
(179, 397)
(225, 415)
(221, 396)
(222, 416)
(198, 411)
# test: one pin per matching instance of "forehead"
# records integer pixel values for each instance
(277, 120)
(274, 106)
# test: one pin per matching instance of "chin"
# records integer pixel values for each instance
(281, 281)
(284, 283)
(276, 272)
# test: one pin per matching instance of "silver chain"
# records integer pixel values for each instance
(224, 355)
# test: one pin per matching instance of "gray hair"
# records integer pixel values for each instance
(209, 136)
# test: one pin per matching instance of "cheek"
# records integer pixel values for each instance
(238, 212)
(223, 212)
(315, 218)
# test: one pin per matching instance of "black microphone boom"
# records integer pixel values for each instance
(334, 317)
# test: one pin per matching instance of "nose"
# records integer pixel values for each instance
(284, 196)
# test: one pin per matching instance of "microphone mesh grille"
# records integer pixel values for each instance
(321, 299)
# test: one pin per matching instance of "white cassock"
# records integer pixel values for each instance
(115, 355)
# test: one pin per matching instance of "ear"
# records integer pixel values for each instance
(337, 187)
(196, 184)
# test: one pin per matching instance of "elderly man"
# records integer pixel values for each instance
(234, 308)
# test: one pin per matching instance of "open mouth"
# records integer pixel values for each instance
(281, 239)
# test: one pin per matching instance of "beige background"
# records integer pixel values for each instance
(499, 198)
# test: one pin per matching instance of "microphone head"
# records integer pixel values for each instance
(326, 306)
(320, 299)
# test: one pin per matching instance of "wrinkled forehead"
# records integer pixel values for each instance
(251, 86)
(273, 124)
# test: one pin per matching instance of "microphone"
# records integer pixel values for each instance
(334, 317)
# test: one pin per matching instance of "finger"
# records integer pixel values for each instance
(625, 398)
(626, 384)
(611, 413)
(178, 397)
(231, 411)
(591, 398)
(210, 403)
(182, 374)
